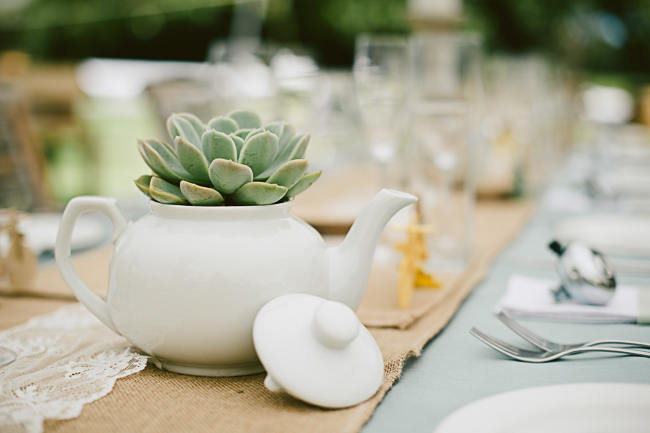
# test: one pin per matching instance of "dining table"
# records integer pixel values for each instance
(455, 369)
(451, 370)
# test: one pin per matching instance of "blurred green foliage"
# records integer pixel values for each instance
(602, 35)
(74, 29)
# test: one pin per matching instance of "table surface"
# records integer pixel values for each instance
(456, 369)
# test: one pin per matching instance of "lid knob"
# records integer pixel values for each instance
(335, 324)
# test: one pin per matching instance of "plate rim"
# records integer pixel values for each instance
(447, 423)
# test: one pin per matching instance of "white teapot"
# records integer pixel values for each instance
(186, 282)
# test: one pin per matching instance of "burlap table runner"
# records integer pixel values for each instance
(495, 224)
(157, 401)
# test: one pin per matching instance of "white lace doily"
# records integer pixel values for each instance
(65, 359)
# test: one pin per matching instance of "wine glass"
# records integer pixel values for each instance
(444, 105)
(380, 75)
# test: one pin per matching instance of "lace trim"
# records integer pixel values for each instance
(65, 360)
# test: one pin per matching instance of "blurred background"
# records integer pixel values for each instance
(450, 99)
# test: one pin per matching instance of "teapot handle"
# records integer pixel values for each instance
(76, 207)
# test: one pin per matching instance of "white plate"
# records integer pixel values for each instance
(41, 229)
(611, 234)
(572, 408)
(625, 183)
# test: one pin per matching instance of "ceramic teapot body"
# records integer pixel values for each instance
(233, 262)
(186, 282)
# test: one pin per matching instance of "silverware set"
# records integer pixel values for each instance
(548, 350)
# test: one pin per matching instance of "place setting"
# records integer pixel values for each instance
(585, 289)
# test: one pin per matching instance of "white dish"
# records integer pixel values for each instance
(40, 232)
(625, 235)
(571, 408)
(625, 183)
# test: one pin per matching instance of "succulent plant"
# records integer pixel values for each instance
(232, 159)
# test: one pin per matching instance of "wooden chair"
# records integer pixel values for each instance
(22, 166)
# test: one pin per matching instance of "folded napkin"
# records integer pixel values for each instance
(532, 297)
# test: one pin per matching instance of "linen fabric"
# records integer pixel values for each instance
(159, 401)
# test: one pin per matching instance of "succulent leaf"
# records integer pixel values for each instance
(305, 182)
(259, 193)
(178, 126)
(243, 133)
(289, 148)
(245, 119)
(239, 142)
(254, 132)
(165, 192)
(259, 151)
(287, 134)
(300, 147)
(284, 155)
(228, 176)
(192, 159)
(161, 165)
(198, 126)
(275, 127)
(216, 144)
(143, 184)
(162, 147)
(200, 195)
(223, 124)
(289, 173)
(263, 176)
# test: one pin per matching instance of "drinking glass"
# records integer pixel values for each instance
(445, 96)
(380, 75)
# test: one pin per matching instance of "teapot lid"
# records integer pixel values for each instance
(317, 351)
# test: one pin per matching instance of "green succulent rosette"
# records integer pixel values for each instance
(231, 160)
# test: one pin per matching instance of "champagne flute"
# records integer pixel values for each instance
(445, 91)
(380, 75)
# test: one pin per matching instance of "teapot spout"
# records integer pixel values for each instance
(351, 260)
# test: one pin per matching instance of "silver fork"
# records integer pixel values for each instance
(551, 346)
(526, 355)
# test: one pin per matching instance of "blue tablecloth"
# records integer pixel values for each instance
(456, 369)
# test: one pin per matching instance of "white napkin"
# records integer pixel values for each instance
(532, 297)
